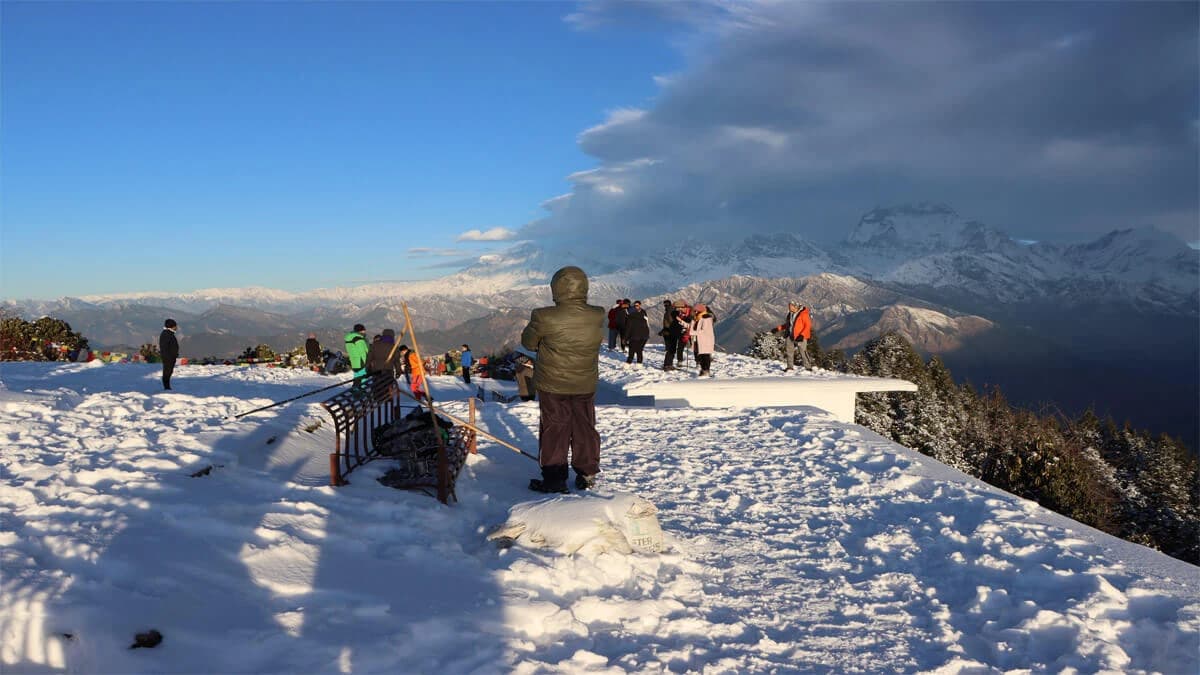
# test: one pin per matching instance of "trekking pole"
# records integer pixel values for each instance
(289, 400)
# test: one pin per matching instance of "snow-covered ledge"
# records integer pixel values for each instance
(833, 394)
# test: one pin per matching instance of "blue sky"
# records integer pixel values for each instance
(175, 146)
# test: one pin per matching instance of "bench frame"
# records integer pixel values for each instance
(377, 400)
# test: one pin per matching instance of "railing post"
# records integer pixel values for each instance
(335, 471)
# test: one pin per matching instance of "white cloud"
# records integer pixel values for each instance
(494, 234)
(614, 119)
(425, 251)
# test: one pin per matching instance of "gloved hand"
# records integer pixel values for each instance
(775, 329)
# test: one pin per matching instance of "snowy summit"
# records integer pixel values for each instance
(791, 542)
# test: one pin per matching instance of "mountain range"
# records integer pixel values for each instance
(998, 310)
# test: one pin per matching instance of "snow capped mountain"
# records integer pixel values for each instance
(928, 330)
(1144, 255)
(923, 226)
(921, 248)
(930, 246)
(694, 261)
(923, 255)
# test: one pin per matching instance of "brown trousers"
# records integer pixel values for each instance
(568, 422)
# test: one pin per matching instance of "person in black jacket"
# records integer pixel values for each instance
(312, 349)
(623, 317)
(637, 332)
(168, 348)
(673, 329)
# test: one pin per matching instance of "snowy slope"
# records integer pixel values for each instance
(794, 543)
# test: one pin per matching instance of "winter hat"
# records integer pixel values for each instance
(680, 303)
(388, 332)
(359, 328)
(699, 308)
(169, 323)
(666, 303)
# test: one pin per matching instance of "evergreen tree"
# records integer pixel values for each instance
(767, 345)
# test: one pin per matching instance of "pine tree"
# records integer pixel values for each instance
(767, 345)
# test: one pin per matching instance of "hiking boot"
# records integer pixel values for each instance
(553, 480)
(538, 485)
(585, 482)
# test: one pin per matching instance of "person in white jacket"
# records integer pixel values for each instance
(705, 338)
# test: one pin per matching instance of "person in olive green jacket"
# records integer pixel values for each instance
(356, 349)
(567, 340)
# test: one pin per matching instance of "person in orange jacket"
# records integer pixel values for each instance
(415, 371)
(797, 329)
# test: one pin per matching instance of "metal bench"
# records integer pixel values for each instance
(373, 402)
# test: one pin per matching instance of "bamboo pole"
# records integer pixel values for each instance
(396, 344)
(458, 420)
(485, 434)
(471, 419)
(443, 468)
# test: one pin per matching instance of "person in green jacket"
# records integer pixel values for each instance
(567, 340)
(356, 349)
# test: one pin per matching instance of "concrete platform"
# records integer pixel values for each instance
(832, 394)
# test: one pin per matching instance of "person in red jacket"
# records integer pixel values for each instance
(612, 325)
(797, 329)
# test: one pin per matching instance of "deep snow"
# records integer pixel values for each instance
(793, 543)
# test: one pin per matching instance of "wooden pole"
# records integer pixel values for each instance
(471, 418)
(481, 432)
(396, 343)
(443, 466)
(469, 425)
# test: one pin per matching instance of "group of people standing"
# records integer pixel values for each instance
(629, 324)
(383, 355)
(682, 326)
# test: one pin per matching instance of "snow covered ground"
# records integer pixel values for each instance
(794, 543)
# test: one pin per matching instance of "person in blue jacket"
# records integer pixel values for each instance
(467, 360)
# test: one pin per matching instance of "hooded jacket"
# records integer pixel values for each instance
(356, 350)
(377, 355)
(637, 325)
(566, 337)
(797, 324)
